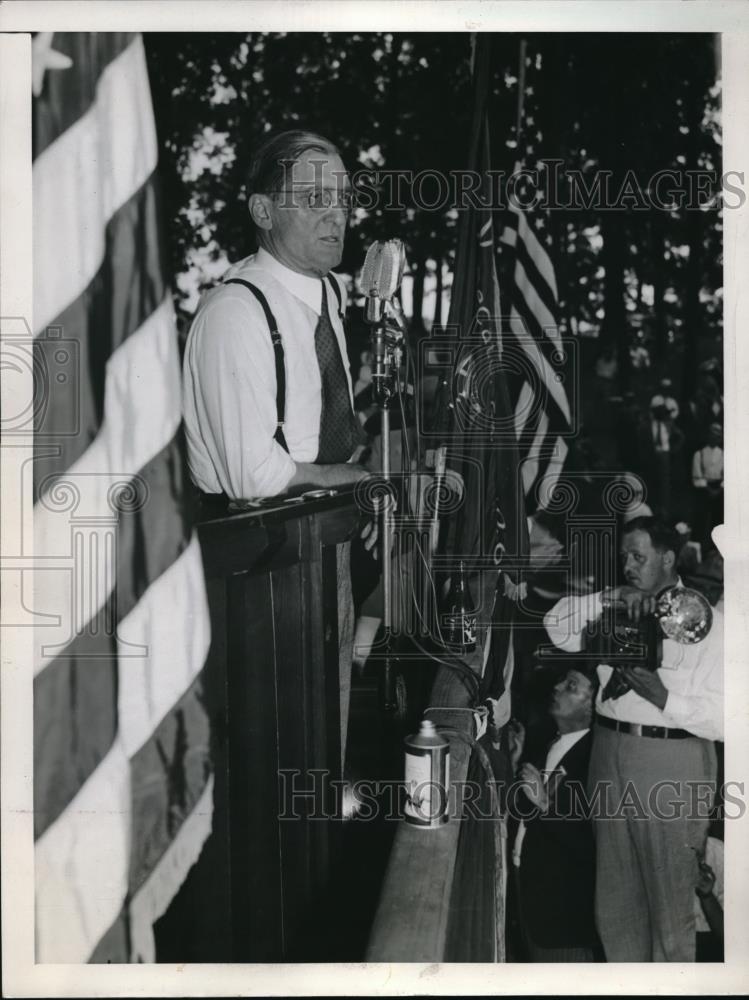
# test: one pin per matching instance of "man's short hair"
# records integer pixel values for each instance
(589, 671)
(270, 161)
(663, 537)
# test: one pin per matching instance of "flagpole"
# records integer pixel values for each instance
(478, 63)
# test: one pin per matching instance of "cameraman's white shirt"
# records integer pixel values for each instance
(693, 675)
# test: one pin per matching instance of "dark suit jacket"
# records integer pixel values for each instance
(557, 863)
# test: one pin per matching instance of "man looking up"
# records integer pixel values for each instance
(258, 422)
(652, 752)
(554, 853)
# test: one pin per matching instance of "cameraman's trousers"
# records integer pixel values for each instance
(651, 800)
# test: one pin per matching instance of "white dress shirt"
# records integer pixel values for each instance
(229, 379)
(661, 435)
(692, 674)
(707, 465)
(558, 748)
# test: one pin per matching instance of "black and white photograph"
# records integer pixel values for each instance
(372, 452)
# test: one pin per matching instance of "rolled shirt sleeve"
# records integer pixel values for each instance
(230, 405)
(567, 621)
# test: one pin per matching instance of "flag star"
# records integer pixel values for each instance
(530, 120)
(529, 149)
(539, 223)
(44, 57)
(529, 91)
(548, 240)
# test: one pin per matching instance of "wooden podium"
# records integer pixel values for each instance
(272, 690)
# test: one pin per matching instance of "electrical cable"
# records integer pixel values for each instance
(484, 760)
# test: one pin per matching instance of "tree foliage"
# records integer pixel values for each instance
(634, 276)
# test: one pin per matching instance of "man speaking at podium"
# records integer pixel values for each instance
(653, 761)
(267, 389)
(268, 403)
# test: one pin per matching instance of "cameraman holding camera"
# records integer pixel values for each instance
(653, 759)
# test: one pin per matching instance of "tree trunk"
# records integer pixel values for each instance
(660, 332)
(438, 294)
(692, 308)
(614, 332)
(418, 270)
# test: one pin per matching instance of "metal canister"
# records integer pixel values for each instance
(427, 775)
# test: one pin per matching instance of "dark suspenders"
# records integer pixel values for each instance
(278, 352)
(337, 292)
(278, 355)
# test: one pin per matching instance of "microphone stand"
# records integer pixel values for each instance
(383, 379)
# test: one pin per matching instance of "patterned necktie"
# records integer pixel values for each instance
(340, 431)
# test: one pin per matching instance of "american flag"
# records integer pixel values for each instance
(490, 531)
(542, 414)
(122, 773)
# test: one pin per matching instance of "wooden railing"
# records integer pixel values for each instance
(442, 898)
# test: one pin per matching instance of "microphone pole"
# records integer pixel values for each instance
(390, 702)
(381, 277)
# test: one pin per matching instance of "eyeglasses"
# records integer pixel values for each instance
(318, 199)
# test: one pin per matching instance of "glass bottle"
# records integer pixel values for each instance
(459, 615)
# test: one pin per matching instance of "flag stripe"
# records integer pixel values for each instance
(81, 865)
(534, 320)
(525, 324)
(169, 775)
(68, 744)
(172, 624)
(84, 177)
(531, 275)
(149, 538)
(75, 725)
(545, 318)
(524, 407)
(530, 430)
(148, 902)
(115, 943)
(551, 454)
(531, 460)
(526, 237)
(75, 91)
(142, 415)
(126, 290)
(161, 858)
(547, 375)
